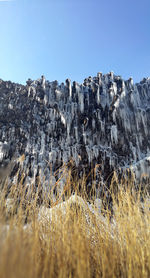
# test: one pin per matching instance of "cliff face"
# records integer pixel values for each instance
(104, 121)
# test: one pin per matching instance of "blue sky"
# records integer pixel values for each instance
(74, 38)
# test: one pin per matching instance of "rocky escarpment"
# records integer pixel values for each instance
(104, 121)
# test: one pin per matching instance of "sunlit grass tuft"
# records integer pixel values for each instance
(74, 242)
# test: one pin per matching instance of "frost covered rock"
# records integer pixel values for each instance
(75, 206)
(105, 121)
(73, 203)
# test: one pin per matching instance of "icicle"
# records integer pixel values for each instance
(102, 124)
(114, 115)
(106, 79)
(65, 156)
(29, 91)
(115, 88)
(95, 151)
(43, 81)
(130, 82)
(63, 120)
(68, 85)
(68, 127)
(99, 76)
(114, 134)
(75, 155)
(88, 153)
(81, 99)
(84, 137)
(98, 96)
(138, 149)
(76, 132)
(133, 150)
(93, 124)
(42, 143)
(144, 121)
(52, 156)
(70, 90)
(45, 99)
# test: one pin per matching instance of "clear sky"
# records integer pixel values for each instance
(74, 39)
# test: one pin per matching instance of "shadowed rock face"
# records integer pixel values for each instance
(105, 121)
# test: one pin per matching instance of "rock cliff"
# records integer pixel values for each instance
(105, 121)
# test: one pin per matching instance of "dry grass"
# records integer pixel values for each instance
(71, 245)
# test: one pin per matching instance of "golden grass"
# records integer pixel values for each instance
(117, 245)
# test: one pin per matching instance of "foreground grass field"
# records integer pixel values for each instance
(75, 241)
